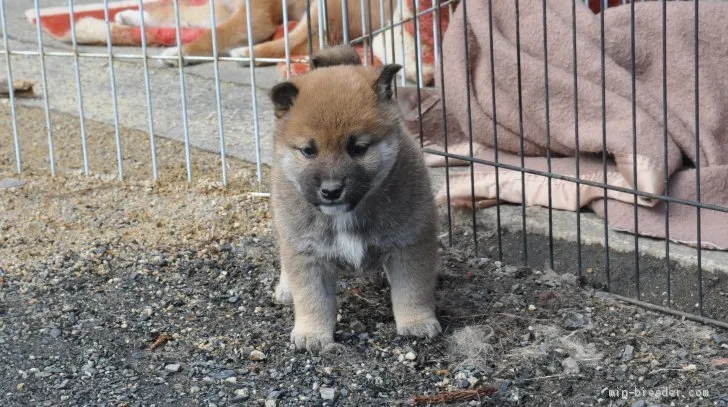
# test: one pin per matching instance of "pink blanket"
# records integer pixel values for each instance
(652, 153)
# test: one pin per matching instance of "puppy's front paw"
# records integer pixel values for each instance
(283, 294)
(313, 341)
(242, 52)
(131, 18)
(171, 56)
(429, 328)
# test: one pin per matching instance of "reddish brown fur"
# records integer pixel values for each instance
(266, 16)
(354, 111)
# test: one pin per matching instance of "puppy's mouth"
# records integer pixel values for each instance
(335, 208)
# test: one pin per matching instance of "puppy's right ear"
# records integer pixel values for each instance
(283, 95)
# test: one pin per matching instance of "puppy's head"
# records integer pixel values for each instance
(338, 129)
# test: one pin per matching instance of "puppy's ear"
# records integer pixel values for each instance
(283, 95)
(383, 85)
(339, 55)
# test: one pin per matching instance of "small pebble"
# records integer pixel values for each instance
(174, 367)
(410, 356)
(257, 355)
(327, 393)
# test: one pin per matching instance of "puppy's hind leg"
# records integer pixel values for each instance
(412, 273)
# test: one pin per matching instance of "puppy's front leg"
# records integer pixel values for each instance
(412, 273)
(313, 286)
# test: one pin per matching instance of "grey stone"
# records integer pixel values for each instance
(174, 367)
(328, 393)
(55, 332)
(628, 353)
(11, 183)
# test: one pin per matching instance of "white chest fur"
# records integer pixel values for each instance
(345, 245)
(349, 248)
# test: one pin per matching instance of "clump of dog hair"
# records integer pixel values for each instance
(471, 344)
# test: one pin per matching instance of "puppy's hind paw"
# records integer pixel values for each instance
(313, 341)
(131, 18)
(171, 57)
(428, 328)
(241, 52)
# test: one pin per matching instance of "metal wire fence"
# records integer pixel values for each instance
(551, 251)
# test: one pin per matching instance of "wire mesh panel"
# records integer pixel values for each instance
(549, 125)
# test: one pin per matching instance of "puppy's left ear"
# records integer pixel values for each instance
(283, 95)
(383, 85)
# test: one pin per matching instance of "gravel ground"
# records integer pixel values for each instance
(141, 293)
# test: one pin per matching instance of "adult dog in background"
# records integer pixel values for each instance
(350, 191)
(266, 17)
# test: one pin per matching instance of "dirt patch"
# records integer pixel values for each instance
(94, 272)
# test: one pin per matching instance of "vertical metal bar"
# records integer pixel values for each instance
(499, 228)
(418, 45)
(345, 20)
(576, 141)
(391, 27)
(384, 37)
(183, 91)
(604, 144)
(308, 27)
(634, 150)
(474, 221)
(46, 103)
(548, 136)
(11, 90)
(218, 101)
(253, 91)
(112, 77)
(79, 92)
(520, 131)
(447, 160)
(664, 139)
(320, 12)
(325, 14)
(364, 30)
(371, 31)
(286, 40)
(435, 33)
(148, 93)
(697, 163)
(400, 5)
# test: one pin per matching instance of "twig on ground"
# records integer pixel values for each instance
(161, 340)
(454, 396)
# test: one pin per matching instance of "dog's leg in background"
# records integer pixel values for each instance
(297, 40)
(412, 275)
(265, 17)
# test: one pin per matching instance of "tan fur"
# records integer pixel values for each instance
(266, 16)
(392, 221)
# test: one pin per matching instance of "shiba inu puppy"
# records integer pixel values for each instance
(266, 15)
(350, 191)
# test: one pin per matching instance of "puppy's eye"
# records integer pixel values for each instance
(308, 151)
(357, 150)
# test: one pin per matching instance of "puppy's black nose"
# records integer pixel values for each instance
(331, 190)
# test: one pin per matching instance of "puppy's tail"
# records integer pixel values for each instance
(338, 55)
